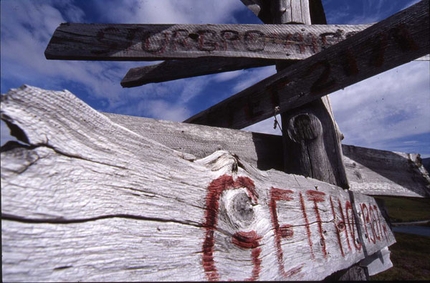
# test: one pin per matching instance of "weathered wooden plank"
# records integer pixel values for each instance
(397, 40)
(369, 171)
(171, 70)
(380, 172)
(73, 41)
(179, 69)
(311, 142)
(88, 199)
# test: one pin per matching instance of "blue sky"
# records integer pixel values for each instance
(389, 111)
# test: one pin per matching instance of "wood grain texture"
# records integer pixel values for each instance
(311, 140)
(381, 172)
(369, 171)
(394, 41)
(177, 69)
(90, 200)
(73, 41)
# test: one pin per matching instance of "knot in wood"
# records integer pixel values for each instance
(239, 208)
(242, 206)
(304, 127)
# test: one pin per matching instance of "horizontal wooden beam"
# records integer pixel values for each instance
(134, 42)
(399, 39)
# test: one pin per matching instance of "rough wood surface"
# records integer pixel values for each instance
(291, 11)
(90, 200)
(394, 41)
(311, 141)
(75, 41)
(369, 171)
(380, 172)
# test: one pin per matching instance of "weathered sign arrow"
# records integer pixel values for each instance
(72, 41)
(399, 39)
(214, 218)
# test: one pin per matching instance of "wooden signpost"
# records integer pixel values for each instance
(87, 199)
(90, 197)
(397, 40)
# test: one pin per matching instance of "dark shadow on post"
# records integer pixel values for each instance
(269, 151)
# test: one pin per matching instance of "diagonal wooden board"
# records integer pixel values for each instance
(75, 41)
(394, 41)
(90, 200)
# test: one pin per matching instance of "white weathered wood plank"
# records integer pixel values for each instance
(381, 172)
(90, 200)
(369, 171)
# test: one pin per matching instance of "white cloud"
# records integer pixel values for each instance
(170, 12)
(161, 109)
(375, 112)
(389, 106)
(226, 76)
(252, 76)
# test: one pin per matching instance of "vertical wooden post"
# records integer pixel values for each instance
(310, 135)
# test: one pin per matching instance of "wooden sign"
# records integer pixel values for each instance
(174, 69)
(369, 171)
(399, 39)
(89, 200)
(73, 41)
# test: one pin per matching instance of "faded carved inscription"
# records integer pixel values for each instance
(210, 40)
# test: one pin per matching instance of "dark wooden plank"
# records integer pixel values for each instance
(185, 68)
(177, 69)
(72, 41)
(399, 39)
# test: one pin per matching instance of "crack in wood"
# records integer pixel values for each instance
(10, 217)
(56, 150)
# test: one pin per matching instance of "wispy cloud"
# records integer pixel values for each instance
(385, 107)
